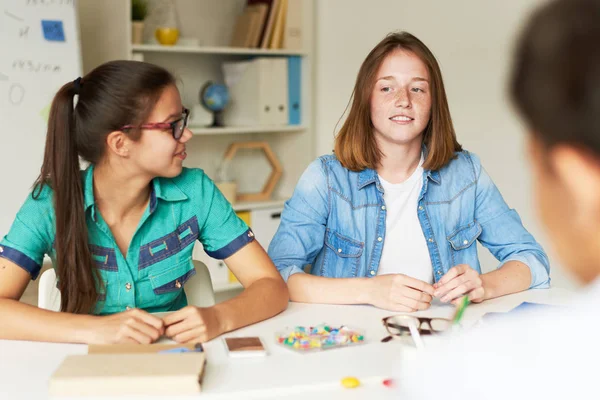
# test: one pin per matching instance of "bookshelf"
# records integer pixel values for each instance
(236, 130)
(208, 50)
(247, 206)
(211, 25)
(106, 35)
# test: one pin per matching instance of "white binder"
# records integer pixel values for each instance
(292, 35)
(258, 92)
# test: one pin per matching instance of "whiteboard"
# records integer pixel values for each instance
(39, 52)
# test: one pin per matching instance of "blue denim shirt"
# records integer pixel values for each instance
(335, 221)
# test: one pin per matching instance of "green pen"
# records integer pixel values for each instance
(460, 309)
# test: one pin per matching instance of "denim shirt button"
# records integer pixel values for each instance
(383, 208)
(379, 239)
(430, 240)
(465, 241)
(420, 208)
(439, 272)
(372, 272)
(339, 250)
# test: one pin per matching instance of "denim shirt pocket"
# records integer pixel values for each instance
(167, 285)
(342, 255)
(464, 236)
(173, 244)
(104, 258)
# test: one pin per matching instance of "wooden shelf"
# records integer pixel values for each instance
(243, 206)
(214, 50)
(225, 287)
(236, 130)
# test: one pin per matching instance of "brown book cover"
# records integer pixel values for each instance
(266, 39)
(277, 38)
(241, 30)
(269, 4)
(129, 374)
(258, 17)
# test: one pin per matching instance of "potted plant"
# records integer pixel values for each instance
(139, 10)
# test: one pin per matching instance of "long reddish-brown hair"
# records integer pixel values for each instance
(355, 144)
(114, 94)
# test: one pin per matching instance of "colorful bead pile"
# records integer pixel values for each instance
(319, 337)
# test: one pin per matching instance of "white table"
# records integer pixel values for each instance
(25, 367)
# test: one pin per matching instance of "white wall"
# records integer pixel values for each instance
(472, 40)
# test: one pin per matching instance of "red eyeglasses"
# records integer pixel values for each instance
(177, 127)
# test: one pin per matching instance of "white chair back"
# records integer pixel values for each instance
(48, 294)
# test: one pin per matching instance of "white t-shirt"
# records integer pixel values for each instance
(549, 355)
(405, 249)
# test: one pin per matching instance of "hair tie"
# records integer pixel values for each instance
(77, 85)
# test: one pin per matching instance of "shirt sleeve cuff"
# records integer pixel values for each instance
(286, 272)
(540, 278)
(233, 246)
(21, 259)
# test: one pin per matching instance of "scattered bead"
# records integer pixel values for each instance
(350, 382)
(388, 383)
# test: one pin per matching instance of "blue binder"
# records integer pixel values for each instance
(294, 81)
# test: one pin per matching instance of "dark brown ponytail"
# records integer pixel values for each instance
(111, 96)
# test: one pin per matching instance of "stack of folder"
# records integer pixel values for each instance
(264, 91)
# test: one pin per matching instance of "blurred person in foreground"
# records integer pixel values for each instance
(555, 86)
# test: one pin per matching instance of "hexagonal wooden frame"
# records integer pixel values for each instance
(274, 177)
